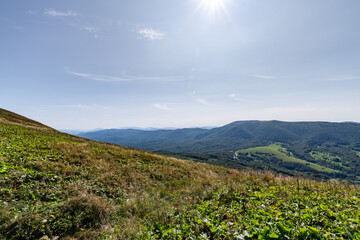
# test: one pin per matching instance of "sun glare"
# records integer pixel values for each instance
(213, 6)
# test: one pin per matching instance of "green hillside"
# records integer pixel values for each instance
(57, 186)
(330, 148)
(283, 154)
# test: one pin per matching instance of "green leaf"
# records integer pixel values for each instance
(283, 230)
(32, 196)
(303, 232)
(313, 229)
(264, 233)
(274, 236)
(289, 224)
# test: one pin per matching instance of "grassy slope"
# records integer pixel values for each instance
(62, 186)
(283, 154)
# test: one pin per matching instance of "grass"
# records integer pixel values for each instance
(57, 186)
(46, 176)
(269, 207)
(283, 154)
(323, 156)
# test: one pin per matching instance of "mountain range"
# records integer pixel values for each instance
(333, 149)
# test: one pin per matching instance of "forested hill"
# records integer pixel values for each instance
(333, 149)
(236, 135)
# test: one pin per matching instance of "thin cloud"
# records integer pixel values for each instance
(55, 13)
(198, 99)
(342, 78)
(86, 107)
(265, 76)
(202, 101)
(91, 30)
(87, 28)
(235, 97)
(124, 78)
(155, 78)
(150, 34)
(101, 78)
(163, 107)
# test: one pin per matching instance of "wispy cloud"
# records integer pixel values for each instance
(124, 78)
(163, 107)
(235, 97)
(265, 76)
(56, 13)
(202, 101)
(342, 78)
(82, 23)
(150, 34)
(91, 30)
(155, 78)
(86, 107)
(197, 98)
(101, 78)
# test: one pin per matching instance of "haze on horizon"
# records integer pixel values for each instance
(182, 63)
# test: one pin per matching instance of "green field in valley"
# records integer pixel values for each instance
(283, 154)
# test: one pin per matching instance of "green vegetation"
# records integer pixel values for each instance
(283, 154)
(57, 186)
(313, 144)
(268, 207)
(324, 156)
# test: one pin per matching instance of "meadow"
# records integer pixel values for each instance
(284, 154)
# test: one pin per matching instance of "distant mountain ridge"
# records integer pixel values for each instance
(232, 136)
(285, 147)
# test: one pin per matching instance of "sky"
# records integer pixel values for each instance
(85, 64)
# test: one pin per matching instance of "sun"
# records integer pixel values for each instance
(213, 6)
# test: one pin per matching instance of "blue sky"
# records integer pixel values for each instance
(80, 64)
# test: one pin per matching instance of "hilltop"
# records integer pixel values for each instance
(16, 119)
(54, 185)
(332, 149)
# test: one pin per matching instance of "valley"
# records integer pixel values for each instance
(292, 148)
